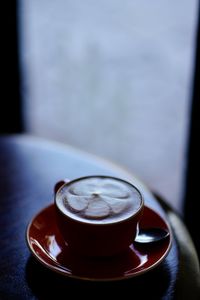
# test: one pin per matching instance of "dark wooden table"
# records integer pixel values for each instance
(29, 168)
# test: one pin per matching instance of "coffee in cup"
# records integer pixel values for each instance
(98, 215)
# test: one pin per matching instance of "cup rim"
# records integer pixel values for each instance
(67, 183)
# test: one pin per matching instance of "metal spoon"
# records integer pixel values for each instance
(151, 235)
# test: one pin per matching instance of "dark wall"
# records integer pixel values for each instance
(192, 184)
(10, 104)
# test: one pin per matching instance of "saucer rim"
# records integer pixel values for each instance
(63, 272)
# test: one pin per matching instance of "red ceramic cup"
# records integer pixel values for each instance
(98, 215)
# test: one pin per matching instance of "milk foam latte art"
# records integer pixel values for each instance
(99, 200)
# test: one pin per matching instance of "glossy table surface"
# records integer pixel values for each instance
(29, 168)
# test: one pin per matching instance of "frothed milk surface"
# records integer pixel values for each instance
(98, 200)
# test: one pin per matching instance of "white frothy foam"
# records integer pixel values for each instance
(99, 200)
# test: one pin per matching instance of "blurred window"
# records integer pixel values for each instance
(113, 78)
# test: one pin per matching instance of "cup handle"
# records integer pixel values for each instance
(59, 184)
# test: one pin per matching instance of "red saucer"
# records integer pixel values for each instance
(47, 245)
